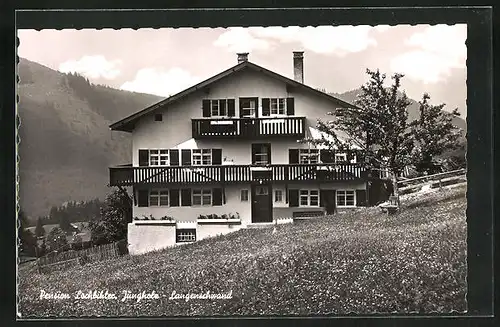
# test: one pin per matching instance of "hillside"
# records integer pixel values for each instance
(361, 261)
(66, 145)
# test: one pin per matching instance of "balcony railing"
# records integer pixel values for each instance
(248, 127)
(227, 174)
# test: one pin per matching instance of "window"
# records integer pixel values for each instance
(158, 117)
(277, 106)
(158, 157)
(278, 195)
(247, 107)
(261, 154)
(309, 198)
(185, 235)
(202, 197)
(308, 156)
(202, 157)
(244, 195)
(340, 157)
(346, 198)
(218, 108)
(158, 198)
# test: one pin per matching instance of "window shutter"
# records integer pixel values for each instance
(216, 156)
(143, 198)
(186, 197)
(186, 157)
(326, 156)
(217, 196)
(266, 107)
(230, 107)
(293, 156)
(254, 151)
(293, 198)
(268, 148)
(174, 197)
(206, 108)
(174, 157)
(361, 198)
(327, 200)
(143, 157)
(290, 106)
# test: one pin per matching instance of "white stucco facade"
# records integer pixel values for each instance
(147, 232)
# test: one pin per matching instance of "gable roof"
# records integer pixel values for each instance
(127, 123)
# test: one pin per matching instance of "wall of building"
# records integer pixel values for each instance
(147, 236)
(233, 205)
(175, 129)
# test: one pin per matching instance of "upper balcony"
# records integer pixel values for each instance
(228, 174)
(247, 128)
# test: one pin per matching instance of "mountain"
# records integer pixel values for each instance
(65, 142)
(413, 108)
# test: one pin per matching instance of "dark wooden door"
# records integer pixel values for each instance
(262, 210)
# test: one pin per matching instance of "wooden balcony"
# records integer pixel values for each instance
(230, 174)
(248, 127)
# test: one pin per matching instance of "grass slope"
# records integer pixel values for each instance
(362, 262)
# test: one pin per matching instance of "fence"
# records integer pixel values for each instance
(441, 179)
(62, 260)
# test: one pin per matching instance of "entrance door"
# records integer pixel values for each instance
(262, 210)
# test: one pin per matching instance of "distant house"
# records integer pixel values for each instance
(224, 155)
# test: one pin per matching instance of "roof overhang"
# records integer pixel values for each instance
(127, 124)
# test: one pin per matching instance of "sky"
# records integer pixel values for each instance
(166, 61)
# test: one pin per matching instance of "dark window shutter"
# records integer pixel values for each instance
(361, 198)
(230, 107)
(143, 157)
(327, 200)
(216, 156)
(186, 197)
(222, 107)
(217, 196)
(268, 147)
(143, 198)
(293, 198)
(254, 151)
(290, 106)
(266, 107)
(206, 108)
(293, 156)
(326, 156)
(186, 157)
(174, 197)
(174, 157)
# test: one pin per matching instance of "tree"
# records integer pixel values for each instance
(64, 222)
(27, 241)
(115, 215)
(434, 134)
(376, 126)
(39, 230)
(56, 240)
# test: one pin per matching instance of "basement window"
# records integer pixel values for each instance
(185, 235)
(158, 117)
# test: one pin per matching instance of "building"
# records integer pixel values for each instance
(224, 155)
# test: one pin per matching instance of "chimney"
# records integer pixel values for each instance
(298, 66)
(243, 56)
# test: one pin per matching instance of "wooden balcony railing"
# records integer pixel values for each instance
(227, 174)
(248, 127)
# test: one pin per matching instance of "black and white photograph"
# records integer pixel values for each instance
(242, 171)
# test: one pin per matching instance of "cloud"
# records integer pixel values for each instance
(92, 67)
(339, 40)
(160, 82)
(239, 39)
(437, 50)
